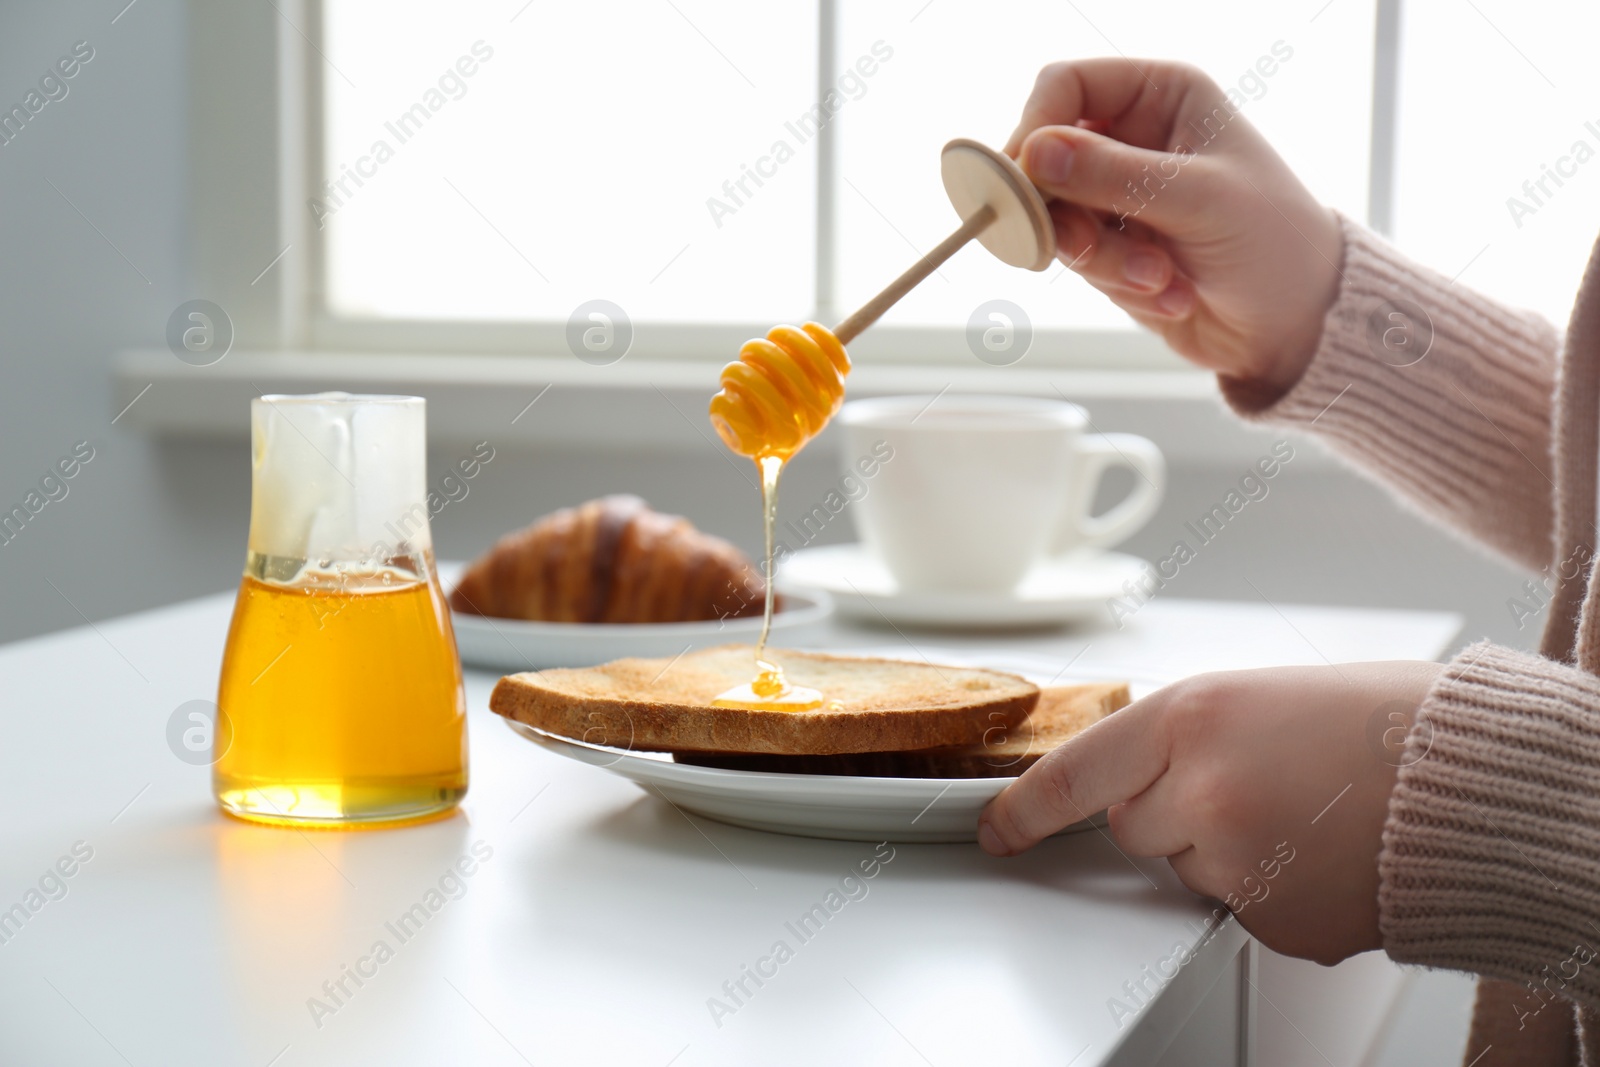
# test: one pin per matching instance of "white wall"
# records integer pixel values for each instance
(115, 147)
(149, 522)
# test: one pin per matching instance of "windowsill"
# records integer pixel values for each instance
(638, 403)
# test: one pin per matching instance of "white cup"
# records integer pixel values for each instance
(980, 489)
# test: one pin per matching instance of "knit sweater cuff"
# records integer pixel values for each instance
(1489, 859)
(1433, 389)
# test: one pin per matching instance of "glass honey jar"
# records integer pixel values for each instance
(340, 701)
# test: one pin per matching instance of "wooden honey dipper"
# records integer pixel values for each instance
(785, 387)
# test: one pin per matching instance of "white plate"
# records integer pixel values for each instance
(1064, 590)
(514, 645)
(809, 805)
(831, 806)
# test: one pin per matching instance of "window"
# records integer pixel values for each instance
(491, 166)
(572, 163)
(1498, 177)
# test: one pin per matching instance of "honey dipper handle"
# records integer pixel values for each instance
(869, 313)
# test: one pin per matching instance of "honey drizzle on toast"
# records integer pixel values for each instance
(769, 691)
(777, 396)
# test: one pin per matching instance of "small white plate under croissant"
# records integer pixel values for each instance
(609, 579)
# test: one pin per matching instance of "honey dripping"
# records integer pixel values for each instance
(785, 387)
(778, 395)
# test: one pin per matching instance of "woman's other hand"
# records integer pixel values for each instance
(1229, 774)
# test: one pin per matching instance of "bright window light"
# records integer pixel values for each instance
(1499, 164)
(505, 162)
(574, 163)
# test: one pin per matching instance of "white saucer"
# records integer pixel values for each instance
(1067, 589)
(516, 645)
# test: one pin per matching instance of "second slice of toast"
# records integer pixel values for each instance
(1063, 712)
(665, 705)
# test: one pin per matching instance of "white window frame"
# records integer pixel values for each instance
(295, 296)
(252, 166)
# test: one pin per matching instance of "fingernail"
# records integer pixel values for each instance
(1050, 160)
(1176, 301)
(1144, 269)
(990, 841)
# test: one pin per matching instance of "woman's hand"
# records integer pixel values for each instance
(1168, 201)
(1266, 789)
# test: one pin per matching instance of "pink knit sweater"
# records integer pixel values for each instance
(1491, 852)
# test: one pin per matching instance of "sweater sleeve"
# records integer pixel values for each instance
(1491, 850)
(1437, 392)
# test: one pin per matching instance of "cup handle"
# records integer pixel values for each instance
(1098, 453)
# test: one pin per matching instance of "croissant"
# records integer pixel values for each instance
(611, 560)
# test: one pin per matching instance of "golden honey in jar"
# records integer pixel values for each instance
(340, 698)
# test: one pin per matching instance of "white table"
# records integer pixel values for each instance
(603, 920)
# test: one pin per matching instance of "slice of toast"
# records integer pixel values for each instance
(665, 705)
(1062, 712)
